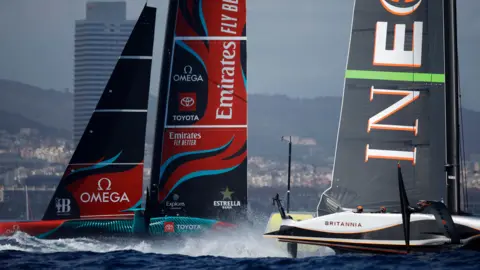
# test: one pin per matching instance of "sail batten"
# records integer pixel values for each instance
(393, 107)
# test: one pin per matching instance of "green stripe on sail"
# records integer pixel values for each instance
(395, 76)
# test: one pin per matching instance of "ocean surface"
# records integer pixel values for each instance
(247, 250)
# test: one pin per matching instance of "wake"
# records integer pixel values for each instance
(242, 244)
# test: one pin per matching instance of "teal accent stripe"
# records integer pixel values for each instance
(244, 80)
(395, 76)
(202, 18)
(199, 174)
(99, 165)
(136, 207)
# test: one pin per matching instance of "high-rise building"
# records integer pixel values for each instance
(99, 40)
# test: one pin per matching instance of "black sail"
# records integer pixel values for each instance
(105, 174)
(393, 107)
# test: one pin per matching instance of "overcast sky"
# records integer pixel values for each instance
(295, 47)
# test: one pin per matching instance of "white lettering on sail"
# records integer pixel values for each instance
(391, 154)
(409, 97)
(184, 135)
(400, 11)
(184, 138)
(103, 195)
(228, 24)
(192, 117)
(398, 56)
(227, 82)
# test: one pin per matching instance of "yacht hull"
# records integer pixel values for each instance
(118, 227)
(377, 232)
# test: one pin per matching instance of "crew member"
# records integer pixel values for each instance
(359, 209)
(420, 206)
(383, 209)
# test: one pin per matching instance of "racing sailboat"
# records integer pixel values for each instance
(199, 166)
(398, 133)
(101, 188)
(199, 169)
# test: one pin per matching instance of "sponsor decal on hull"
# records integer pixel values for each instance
(188, 227)
(343, 224)
(169, 227)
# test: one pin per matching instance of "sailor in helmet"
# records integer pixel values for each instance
(382, 210)
(421, 205)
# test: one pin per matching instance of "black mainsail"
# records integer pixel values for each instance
(393, 107)
(105, 174)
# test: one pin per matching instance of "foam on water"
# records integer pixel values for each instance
(242, 244)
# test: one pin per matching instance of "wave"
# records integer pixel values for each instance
(241, 244)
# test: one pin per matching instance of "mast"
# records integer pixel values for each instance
(452, 107)
(289, 168)
(162, 102)
(27, 203)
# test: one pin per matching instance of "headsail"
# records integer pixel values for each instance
(200, 152)
(105, 174)
(392, 108)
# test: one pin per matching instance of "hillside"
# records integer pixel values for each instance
(12, 123)
(270, 117)
(48, 107)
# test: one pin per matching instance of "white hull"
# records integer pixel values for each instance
(373, 229)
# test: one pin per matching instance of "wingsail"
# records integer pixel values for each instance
(104, 176)
(392, 108)
(199, 166)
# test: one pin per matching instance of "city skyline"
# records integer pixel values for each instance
(302, 56)
(99, 41)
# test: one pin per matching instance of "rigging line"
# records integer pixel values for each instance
(463, 155)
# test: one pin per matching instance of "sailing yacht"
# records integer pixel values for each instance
(199, 173)
(398, 134)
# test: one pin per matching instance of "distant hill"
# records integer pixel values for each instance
(48, 107)
(13, 122)
(270, 117)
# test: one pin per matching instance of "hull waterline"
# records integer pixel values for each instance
(378, 233)
(123, 227)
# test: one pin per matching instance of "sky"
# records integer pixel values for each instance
(295, 47)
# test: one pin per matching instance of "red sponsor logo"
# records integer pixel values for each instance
(187, 102)
(169, 227)
(343, 224)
